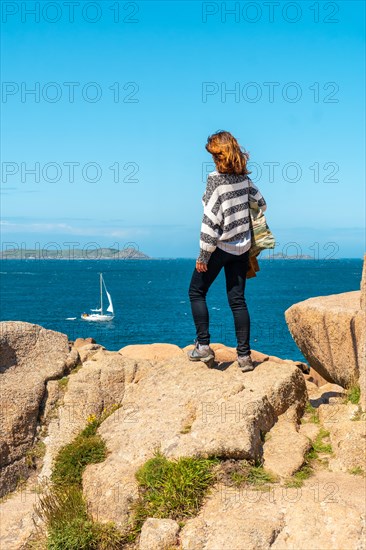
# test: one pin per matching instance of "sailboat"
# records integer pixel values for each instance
(99, 315)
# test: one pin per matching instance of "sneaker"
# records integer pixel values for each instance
(202, 353)
(245, 363)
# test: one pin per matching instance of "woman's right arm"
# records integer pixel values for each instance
(211, 221)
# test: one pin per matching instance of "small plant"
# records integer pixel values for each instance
(174, 488)
(60, 506)
(259, 476)
(35, 453)
(186, 429)
(77, 368)
(62, 383)
(353, 393)
(238, 478)
(108, 537)
(297, 480)
(312, 413)
(357, 471)
(319, 446)
(90, 429)
(94, 421)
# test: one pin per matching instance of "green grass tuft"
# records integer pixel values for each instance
(319, 446)
(87, 448)
(74, 457)
(312, 413)
(170, 489)
(259, 476)
(69, 524)
(357, 471)
(353, 394)
(297, 480)
(62, 383)
(174, 488)
(64, 511)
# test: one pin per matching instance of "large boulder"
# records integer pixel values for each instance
(331, 332)
(187, 409)
(30, 356)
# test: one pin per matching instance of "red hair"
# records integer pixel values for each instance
(228, 155)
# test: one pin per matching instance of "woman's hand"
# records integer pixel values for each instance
(201, 267)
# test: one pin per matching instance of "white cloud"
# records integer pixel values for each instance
(71, 229)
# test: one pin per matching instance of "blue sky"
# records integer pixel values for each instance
(298, 108)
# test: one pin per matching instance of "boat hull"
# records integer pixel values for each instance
(97, 318)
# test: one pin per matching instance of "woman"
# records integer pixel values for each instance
(224, 242)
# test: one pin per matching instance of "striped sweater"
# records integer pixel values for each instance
(226, 211)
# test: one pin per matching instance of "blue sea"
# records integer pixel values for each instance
(151, 299)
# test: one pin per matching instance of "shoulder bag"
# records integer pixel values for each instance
(261, 235)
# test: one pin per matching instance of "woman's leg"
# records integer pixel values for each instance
(200, 283)
(235, 273)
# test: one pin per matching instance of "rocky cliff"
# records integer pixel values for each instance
(143, 449)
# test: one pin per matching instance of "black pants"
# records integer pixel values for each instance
(235, 273)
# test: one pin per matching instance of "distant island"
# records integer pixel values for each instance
(129, 253)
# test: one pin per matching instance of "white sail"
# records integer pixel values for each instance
(99, 315)
(110, 307)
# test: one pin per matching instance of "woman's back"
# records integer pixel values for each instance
(226, 210)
